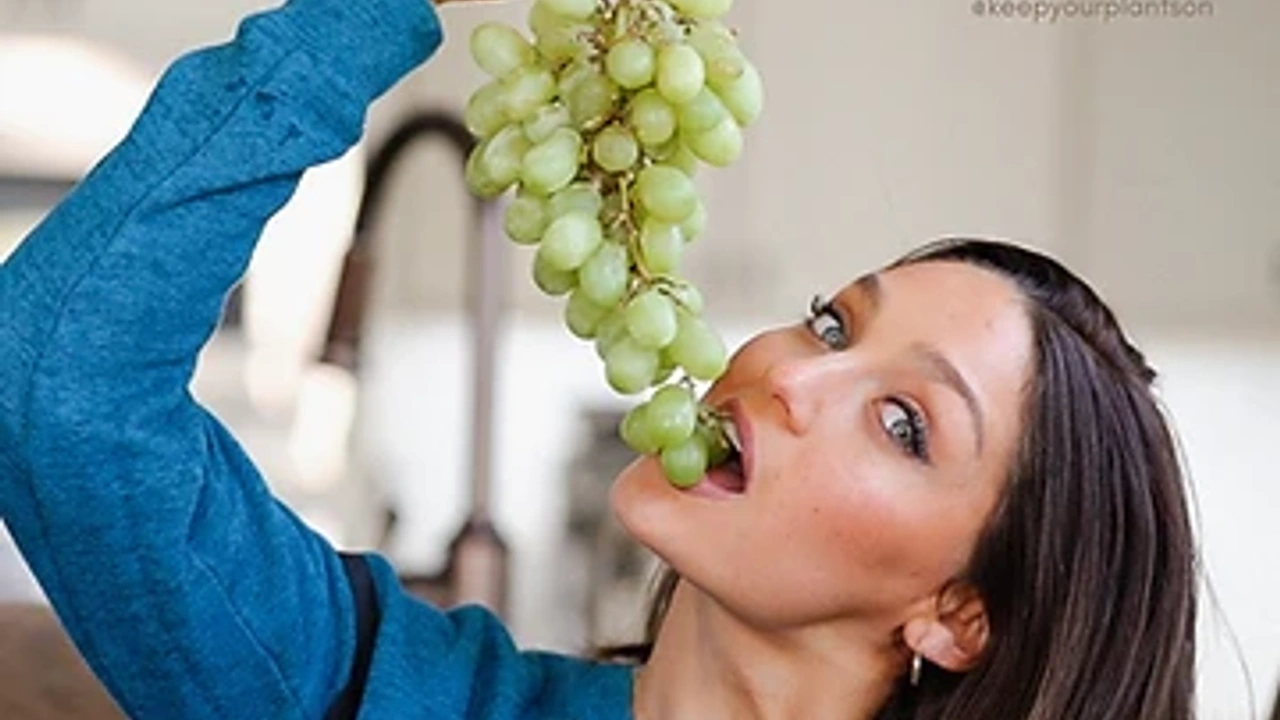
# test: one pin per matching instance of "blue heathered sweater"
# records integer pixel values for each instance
(190, 590)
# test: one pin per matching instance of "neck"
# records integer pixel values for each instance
(707, 663)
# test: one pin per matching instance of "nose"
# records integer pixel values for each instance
(802, 384)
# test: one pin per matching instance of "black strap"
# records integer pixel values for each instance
(368, 616)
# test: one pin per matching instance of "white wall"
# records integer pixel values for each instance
(1179, 177)
(1225, 401)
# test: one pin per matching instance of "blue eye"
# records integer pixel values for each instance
(825, 322)
(905, 426)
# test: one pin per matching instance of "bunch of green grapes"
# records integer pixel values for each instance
(599, 124)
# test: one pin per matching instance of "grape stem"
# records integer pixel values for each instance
(627, 219)
(713, 420)
(669, 287)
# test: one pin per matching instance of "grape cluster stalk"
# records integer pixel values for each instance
(599, 122)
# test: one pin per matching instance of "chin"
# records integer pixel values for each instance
(674, 525)
(682, 530)
(650, 510)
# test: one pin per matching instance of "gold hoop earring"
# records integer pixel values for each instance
(917, 667)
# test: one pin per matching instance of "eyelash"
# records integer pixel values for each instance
(917, 445)
(820, 308)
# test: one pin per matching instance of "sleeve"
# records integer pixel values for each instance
(189, 589)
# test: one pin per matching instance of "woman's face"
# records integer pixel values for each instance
(878, 437)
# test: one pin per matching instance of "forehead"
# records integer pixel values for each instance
(951, 292)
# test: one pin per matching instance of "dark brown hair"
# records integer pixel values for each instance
(1087, 566)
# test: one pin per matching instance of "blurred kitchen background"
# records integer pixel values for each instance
(1145, 152)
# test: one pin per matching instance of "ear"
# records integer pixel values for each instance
(954, 634)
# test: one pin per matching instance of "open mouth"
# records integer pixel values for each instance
(731, 474)
(728, 476)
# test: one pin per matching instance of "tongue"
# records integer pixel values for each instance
(728, 477)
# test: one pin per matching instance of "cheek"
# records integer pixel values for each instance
(883, 529)
(860, 516)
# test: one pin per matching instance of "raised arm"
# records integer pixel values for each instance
(189, 589)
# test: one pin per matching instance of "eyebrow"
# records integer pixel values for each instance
(937, 364)
(869, 287)
(943, 370)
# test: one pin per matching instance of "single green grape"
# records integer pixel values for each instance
(552, 164)
(672, 415)
(667, 193)
(478, 179)
(605, 275)
(697, 348)
(526, 90)
(661, 245)
(486, 111)
(681, 73)
(653, 118)
(582, 315)
(702, 113)
(572, 74)
(720, 54)
(743, 96)
(545, 121)
(630, 367)
(501, 156)
(592, 100)
(685, 464)
(576, 197)
(570, 240)
(720, 146)
(500, 49)
(561, 40)
(551, 280)
(526, 219)
(636, 433)
(651, 319)
(615, 149)
(631, 63)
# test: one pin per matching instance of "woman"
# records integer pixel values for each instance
(951, 509)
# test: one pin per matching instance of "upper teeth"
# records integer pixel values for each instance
(731, 432)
